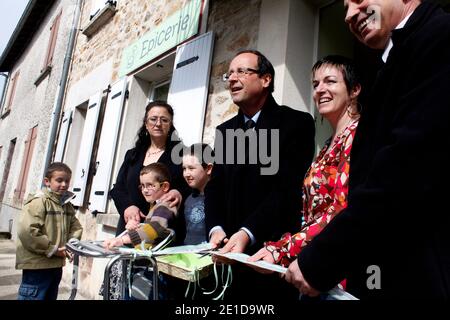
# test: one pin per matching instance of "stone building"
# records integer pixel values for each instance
(129, 52)
(34, 59)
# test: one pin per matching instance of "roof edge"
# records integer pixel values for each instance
(13, 46)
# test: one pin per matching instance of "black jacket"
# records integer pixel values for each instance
(397, 217)
(268, 205)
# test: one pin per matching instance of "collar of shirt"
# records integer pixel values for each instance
(390, 43)
(254, 118)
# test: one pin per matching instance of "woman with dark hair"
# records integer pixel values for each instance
(155, 141)
(336, 88)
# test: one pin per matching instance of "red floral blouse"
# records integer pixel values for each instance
(325, 190)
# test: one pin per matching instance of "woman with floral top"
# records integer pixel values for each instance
(336, 89)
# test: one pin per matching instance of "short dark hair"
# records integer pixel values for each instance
(345, 65)
(264, 66)
(57, 166)
(162, 173)
(199, 150)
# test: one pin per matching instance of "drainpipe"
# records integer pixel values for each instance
(56, 115)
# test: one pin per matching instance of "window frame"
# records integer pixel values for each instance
(30, 142)
(10, 93)
(52, 42)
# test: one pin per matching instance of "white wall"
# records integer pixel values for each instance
(287, 30)
(33, 105)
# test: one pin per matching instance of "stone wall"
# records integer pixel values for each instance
(235, 24)
(132, 20)
(33, 105)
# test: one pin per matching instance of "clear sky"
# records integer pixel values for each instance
(10, 13)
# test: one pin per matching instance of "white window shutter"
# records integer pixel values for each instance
(107, 147)
(85, 152)
(189, 88)
(62, 138)
(96, 6)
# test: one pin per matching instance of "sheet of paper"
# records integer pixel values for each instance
(242, 257)
(203, 247)
(337, 293)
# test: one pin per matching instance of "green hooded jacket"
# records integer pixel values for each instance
(46, 223)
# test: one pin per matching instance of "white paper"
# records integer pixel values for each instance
(336, 293)
(242, 257)
(203, 247)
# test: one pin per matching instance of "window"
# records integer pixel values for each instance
(161, 91)
(80, 172)
(101, 12)
(28, 153)
(98, 5)
(12, 146)
(11, 92)
(52, 42)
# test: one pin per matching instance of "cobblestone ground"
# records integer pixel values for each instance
(10, 277)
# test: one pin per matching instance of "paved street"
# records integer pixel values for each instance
(10, 277)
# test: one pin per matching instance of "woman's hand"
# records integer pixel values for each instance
(173, 197)
(133, 213)
(132, 225)
(264, 255)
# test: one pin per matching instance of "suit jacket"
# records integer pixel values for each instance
(126, 193)
(393, 240)
(238, 195)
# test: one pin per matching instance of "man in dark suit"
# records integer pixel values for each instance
(393, 240)
(257, 198)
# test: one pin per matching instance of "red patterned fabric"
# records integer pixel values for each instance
(325, 192)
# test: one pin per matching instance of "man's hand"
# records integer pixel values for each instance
(265, 255)
(218, 237)
(295, 276)
(237, 243)
(173, 197)
(133, 213)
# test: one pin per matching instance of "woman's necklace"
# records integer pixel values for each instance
(149, 154)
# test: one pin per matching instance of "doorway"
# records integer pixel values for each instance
(335, 38)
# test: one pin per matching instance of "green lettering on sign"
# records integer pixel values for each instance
(180, 26)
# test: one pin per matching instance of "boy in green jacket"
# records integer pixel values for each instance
(47, 222)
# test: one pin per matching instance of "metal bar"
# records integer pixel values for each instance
(76, 260)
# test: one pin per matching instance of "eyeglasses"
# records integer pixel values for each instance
(149, 186)
(240, 73)
(154, 120)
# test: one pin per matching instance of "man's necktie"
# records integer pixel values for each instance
(249, 124)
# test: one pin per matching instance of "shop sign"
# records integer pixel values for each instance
(177, 28)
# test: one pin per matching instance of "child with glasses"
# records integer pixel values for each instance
(155, 182)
